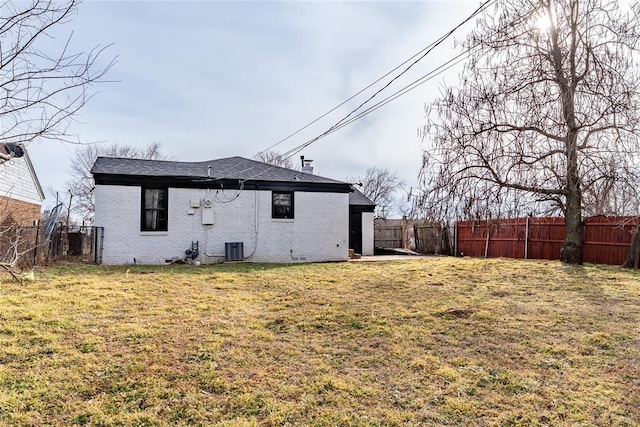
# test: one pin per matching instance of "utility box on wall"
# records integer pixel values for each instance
(207, 216)
(234, 251)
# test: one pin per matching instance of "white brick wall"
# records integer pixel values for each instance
(319, 231)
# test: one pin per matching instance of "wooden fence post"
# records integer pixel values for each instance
(526, 239)
(35, 248)
(486, 246)
(455, 238)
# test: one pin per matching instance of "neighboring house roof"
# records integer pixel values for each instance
(210, 173)
(36, 181)
(357, 198)
(18, 180)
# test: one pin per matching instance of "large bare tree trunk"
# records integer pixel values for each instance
(572, 248)
(566, 79)
(571, 252)
(633, 259)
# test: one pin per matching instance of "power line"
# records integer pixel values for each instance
(346, 120)
(341, 122)
(432, 74)
(434, 45)
(411, 86)
(421, 54)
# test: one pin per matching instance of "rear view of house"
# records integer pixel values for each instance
(229, 209)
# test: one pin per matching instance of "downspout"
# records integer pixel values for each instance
(256, 224)
(206, 227)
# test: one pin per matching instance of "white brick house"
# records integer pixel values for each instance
(234, 208)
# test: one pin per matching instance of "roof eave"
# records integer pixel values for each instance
(218, 183)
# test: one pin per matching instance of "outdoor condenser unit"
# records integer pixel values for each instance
(234, 251)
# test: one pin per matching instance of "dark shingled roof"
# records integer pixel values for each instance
(228, 168)
(357, 198)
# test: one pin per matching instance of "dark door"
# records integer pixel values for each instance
(355, 231)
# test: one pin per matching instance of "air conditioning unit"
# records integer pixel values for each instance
(234, 251)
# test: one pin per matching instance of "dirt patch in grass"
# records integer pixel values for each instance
(460, 313)
(439, 341)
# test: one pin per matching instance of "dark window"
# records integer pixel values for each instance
(282, 204)
(154, 209)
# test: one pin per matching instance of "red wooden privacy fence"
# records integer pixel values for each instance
(606, 239)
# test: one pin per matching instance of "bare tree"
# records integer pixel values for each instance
(633, 259)
(10, 247)
(13, 244)
(42, 88)
(608, 197)
(81, 185)
(380, 185)
(547, 111)
(274, 158)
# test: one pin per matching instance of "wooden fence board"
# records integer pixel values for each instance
(388, 236)
(606, 239)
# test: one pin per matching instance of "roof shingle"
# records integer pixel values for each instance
(228, 168)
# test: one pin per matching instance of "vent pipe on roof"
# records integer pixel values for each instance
(306, 165)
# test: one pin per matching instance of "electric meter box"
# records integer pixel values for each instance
(207, 216)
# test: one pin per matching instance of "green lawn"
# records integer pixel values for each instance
(441, 341)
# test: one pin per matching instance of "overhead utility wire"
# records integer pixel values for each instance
(430, 46)
(481, 8)
(429, 76)
(339, 124)
(432, 74)
(408, 88)
(413, 85)
(338, 106)
(421, 53)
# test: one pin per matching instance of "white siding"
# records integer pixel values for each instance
(367, 233)
(319, 231)
(17, 181)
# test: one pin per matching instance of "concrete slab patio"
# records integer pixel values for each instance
(377, 258)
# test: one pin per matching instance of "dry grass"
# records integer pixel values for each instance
(441, 341)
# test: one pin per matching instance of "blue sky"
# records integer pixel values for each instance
(214, 79)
